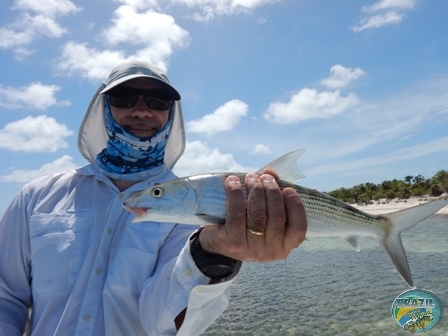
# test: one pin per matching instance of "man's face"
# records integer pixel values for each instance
(139, 119)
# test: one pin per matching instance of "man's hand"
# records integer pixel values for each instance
(267, 228)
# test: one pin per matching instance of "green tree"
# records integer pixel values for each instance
(408, 179)
(441, 179)
(365, 192)
(418, 179)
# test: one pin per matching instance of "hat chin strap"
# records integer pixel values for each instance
(128, 154)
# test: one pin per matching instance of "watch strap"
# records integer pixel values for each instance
(218, 267)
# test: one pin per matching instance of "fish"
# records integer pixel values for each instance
(420, 323)
(202, 200)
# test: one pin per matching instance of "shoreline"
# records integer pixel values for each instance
(384, 206)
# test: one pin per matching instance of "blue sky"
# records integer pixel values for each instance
(361, 85)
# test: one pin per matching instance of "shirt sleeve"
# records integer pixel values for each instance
(179, 284)
(15, 292)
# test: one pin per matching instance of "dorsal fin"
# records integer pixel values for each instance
(286, 166)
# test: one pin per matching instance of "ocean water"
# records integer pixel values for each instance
(327, 288)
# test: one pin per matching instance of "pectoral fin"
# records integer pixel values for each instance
(353, 241)
(211, 219)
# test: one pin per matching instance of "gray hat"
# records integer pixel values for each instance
(92, 136)
(139, 69)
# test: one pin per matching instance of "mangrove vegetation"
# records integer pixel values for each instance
(410, 186)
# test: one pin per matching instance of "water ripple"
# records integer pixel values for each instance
(326, 288)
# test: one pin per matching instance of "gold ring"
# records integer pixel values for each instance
(257, 233)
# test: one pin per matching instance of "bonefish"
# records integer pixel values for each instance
(201, 199)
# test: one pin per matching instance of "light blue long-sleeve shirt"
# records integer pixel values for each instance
(69, 251)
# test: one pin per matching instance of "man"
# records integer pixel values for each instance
(68, 250)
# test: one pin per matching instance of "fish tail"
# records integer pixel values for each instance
(401, 221)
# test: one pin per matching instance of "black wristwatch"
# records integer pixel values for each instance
(215, 266)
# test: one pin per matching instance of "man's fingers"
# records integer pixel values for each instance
(276, 215)
(256, 204)
(263, 223)
(297, 223)
(236, 208)
(229, 239)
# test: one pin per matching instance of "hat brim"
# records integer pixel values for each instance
(171, 91)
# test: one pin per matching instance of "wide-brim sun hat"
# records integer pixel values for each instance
(92, 136)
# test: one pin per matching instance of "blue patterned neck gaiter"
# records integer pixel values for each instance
(126, 153)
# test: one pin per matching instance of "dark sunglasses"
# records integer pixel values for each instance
(127, 97)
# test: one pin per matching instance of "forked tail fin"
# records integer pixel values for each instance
(401, 221)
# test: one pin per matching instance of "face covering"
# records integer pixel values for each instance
(128, 154)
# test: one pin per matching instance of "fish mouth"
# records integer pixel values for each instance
(138, 212)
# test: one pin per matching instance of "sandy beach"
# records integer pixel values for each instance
(384, 206)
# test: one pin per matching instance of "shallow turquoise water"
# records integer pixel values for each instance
(327, 288)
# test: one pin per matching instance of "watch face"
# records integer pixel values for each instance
(217, 271)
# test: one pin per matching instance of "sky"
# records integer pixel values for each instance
(361, 85)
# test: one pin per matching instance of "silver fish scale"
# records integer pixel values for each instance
(327, 214)
(211, 194)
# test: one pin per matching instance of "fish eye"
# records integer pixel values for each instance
(157, 191)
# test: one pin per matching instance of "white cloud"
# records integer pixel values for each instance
(50, 8)
(381, 124)
(22, 53)
(204, 10)
(379, 20)
(309, 104)
(341, 76)
(45, 26)
(208, 9)
(225, 118)
(90, 63)
(261, 149)
(27, 28)
(390, 4)
(10, 38)
(199, 158)
(34, 134)
(312, 104)
(384, 12)
(154, 33)
(36, 96)
(439, 145)
(149, 28)
(142, 4)
(25, 175)
(42, 21)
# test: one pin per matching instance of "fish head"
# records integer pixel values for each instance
(163, 202)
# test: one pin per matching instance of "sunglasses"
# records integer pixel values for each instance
(126, 96)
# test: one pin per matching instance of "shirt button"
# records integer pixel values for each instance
(86, 318)
(98, 271)
(109, 230)
(120, 196)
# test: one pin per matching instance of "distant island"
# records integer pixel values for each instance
(411, 186)
(394, 195)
